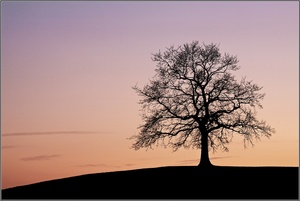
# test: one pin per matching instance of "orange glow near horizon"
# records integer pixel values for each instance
(67, 71)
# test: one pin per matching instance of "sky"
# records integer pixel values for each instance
(68, 68)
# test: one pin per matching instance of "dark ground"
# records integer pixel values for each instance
(178, 182)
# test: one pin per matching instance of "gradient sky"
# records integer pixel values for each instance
(67, 69)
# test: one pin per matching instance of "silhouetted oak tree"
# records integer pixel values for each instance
(195, 101)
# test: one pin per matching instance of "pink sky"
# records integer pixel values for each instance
(67, 69)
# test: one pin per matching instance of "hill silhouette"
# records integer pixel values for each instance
(174, 182)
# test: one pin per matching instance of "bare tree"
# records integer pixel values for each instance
(195, 101)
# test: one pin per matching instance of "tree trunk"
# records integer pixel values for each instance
(204, 160)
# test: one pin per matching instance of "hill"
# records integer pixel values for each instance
(178, 182)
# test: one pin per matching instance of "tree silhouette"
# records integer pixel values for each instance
(195, 101)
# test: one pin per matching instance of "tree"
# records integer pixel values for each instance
(195, 101)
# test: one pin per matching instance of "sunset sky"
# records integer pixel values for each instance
(68, 68)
